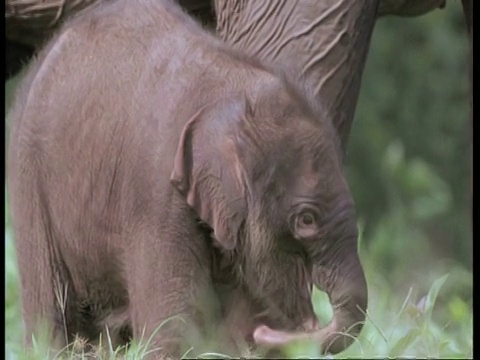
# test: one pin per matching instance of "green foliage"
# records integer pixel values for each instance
(407, 330)
(408, 160)
(394, 328)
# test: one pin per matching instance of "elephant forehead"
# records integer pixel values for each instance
(318, 177)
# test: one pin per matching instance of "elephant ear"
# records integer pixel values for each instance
(207, 171)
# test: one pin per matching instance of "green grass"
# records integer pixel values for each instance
(437, 322)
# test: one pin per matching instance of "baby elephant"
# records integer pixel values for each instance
(155, 175)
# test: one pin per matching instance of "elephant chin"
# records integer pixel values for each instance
(348, 295)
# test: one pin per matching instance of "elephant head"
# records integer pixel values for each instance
(268, 181)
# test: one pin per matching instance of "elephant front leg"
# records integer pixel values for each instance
(169, 291)
(237, 318)
(241, 314)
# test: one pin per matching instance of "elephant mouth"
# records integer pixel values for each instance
(266, 333)
(272, 328)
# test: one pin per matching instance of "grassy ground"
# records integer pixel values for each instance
(435, 322)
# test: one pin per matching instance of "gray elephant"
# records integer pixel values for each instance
(154, 172)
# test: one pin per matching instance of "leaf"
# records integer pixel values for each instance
(458, 309)
(432, 297)
(405, 302)
(403, 343)
(443, 345)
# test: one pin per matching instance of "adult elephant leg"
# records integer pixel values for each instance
(321, 46)
(169, 283)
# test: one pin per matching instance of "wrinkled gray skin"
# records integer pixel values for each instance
(321, 46)
(151, 168)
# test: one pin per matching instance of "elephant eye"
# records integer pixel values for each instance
(305, 224)
(307, 219)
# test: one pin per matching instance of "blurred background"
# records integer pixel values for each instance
(409, 168)
(409, 156)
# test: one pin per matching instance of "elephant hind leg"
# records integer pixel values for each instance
(44, 297)
(47, 292)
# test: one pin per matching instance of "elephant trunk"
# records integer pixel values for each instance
(347, 290)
